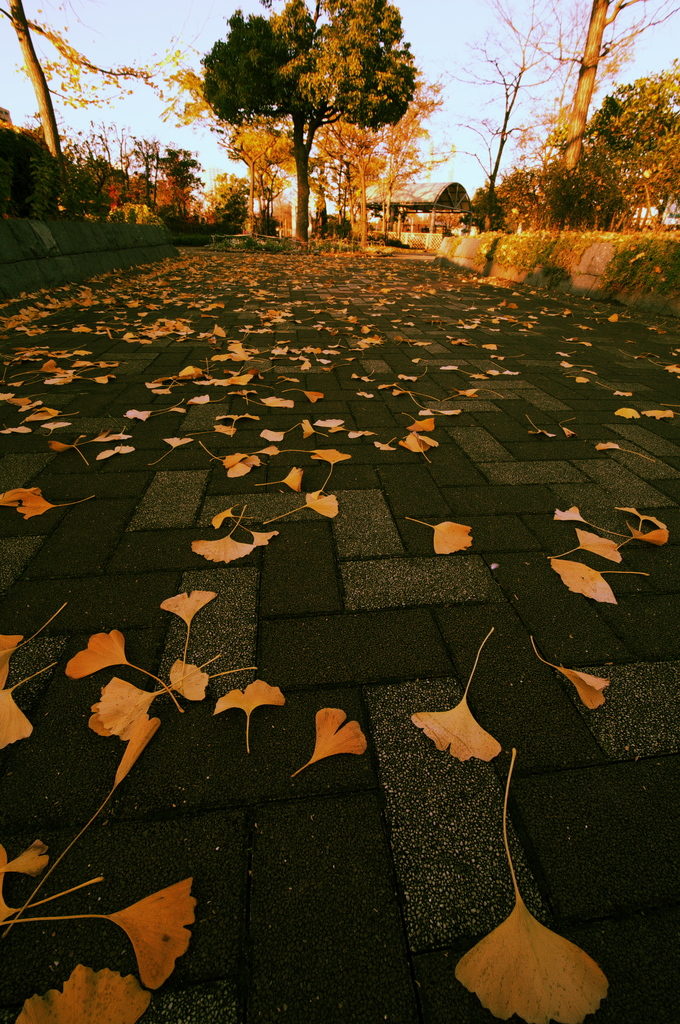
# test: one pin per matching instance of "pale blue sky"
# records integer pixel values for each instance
(115, 32)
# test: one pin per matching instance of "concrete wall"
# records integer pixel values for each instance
(38, 254)
(583, 278)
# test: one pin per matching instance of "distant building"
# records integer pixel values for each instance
(5, 116)
(434, 198)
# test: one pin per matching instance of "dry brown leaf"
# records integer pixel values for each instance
(141, 733)
(186, 605)
(121, 704)
(589, 687)
(331, 739)
(89, 997)
(326, 505)
(254, 696)
(523, 968)
(598, 545)
(156, 927)
(103, 650)
(188, 680)
(581, 579)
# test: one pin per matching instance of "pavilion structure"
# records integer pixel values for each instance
(437, 197)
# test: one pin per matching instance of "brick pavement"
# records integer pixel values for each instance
(350, 892)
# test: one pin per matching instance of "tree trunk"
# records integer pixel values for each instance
(362, 199)
(38, 81)
(301, 153)
(586, 83)
(251, 198)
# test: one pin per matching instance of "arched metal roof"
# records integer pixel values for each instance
(444, 195)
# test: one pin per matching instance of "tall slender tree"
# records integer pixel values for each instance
(345, 59)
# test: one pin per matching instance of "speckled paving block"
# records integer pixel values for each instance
(172, 499)
(371, 366)
(391, 582)
(479, 444)
(647, 439)
(366, 528)
(211, 1003)
(530, 472)
(19, 470)
(624, 486)
(326, 944)
(445, 821)
(546, 403)
(226, 625)
(640, 716)
(16, 554)
(606, 837)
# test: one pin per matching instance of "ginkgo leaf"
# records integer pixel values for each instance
(278, 403)
(103, 650)
(186, 605)
(325, 506)
(417, 443)
(384, 447)
(589, 687)
(424, 424)
(254, 696)
(656, 414)
(307, 428)
(224, 550)
(136, 414)
(121, 449)
(143, 730)
(121, 704)
(331, 739)
(581, 579)
(89, 997)
(8, 645)
(31, 862)
(657, 537)
(523, 968)
(261, 539)
(598, 545)
(188, 680)
(13, 722)
(571, 513)
(28, 501)
(606, 445)
(156, 927)
(313, 396)
(448, 537)
(177, 442)
(459, 732)
(628, 414)
(293, 479)
(328, 423)
(217, 520)
(273, 435)
(331, 455)
(46, 414)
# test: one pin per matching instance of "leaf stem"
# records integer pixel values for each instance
(411, 520)
(66, 892)
(44, 626)
(477, 659)
(164, 685)
(230, 671)
(505, 826)
(39, 672)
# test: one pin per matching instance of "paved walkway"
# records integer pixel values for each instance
(348, 893)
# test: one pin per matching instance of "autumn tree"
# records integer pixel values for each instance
(346, 59)
(228, 202)
(602, 38)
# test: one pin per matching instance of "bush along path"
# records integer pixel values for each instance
(339, 655)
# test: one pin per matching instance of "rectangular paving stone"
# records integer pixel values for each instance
(546, 403)
(390, 582)
(624, 486)
(323, 650)
(17, 552)
(74, 548)
(606, 837)
(365, 529)
(529, 472)
(499, 498)
(479, 444)
(298, 571)
(172, 499)
(344, 914)
(410, 490)
(445, 821)
(647, 439)
(18, 470)
(225, 625)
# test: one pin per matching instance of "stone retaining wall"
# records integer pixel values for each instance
(583, 278)
(38, 254)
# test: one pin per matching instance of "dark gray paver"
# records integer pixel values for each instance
(344, 957)
(171, 500)
(391, 582)
(16, 553)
